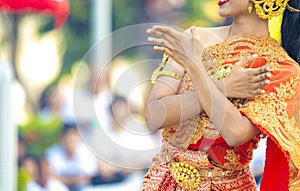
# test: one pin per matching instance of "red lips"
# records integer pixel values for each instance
(222, 2)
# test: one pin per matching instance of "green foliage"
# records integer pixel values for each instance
(23, 178)
(194, 13)
(39, 133)
(77, 34)
(123, 13)
(128, 12)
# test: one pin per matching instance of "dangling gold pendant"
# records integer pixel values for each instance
(250, 9)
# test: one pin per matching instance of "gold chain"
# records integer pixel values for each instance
(292, 9)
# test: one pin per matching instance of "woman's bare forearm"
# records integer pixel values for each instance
(168, 108)
(234, 127)
(171, 110)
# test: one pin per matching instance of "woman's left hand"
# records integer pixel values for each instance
(184, 47)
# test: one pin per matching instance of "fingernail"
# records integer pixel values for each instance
(150, 39)
(269, 75)
(262, 91)
(254, 55)
(268, 69)
(148, 31)
(267, 82)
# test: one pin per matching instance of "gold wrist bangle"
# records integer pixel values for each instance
(161, 72)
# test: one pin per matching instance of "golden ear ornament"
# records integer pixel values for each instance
(250, 9)
(267, 9)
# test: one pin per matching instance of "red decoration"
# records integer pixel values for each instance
(57, 8)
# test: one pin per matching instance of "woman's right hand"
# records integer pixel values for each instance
(246, 82)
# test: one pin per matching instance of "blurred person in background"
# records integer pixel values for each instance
(51, 102)
(130, 133)
(126, 147)
(70, 160)
(43, 179)
(93, 100)
(21, 148)
(28, 171)
(107, 174)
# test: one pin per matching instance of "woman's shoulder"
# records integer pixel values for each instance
(212, 35)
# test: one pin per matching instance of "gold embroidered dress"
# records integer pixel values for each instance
(195, 157)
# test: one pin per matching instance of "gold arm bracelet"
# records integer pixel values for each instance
(161, 72)
(292, 9)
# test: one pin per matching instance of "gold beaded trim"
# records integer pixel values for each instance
(161, 72)
(188, 177)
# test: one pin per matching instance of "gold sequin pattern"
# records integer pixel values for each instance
(218, 60)
(239, 46)
(189, 177)
(174, 170)
(185, 175)
(232, 158)
(271, 113)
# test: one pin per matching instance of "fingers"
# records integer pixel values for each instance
(258, 92)
(166, 39)
(259, 71)
(246, 60)
(165, 46)
(263, 83)
(262, 77)
(164, 49)
(253, 71)
(161, 42)
(160, 34)
(164, 32)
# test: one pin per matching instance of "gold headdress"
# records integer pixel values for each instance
(267, 9)
(275, 23)
(274, 26)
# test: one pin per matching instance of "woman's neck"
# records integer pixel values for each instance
(255, 26)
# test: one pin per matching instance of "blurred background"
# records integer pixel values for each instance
(66, 80)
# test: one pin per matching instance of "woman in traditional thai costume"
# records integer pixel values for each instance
(209, 128)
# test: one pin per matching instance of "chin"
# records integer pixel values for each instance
(223, 14)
